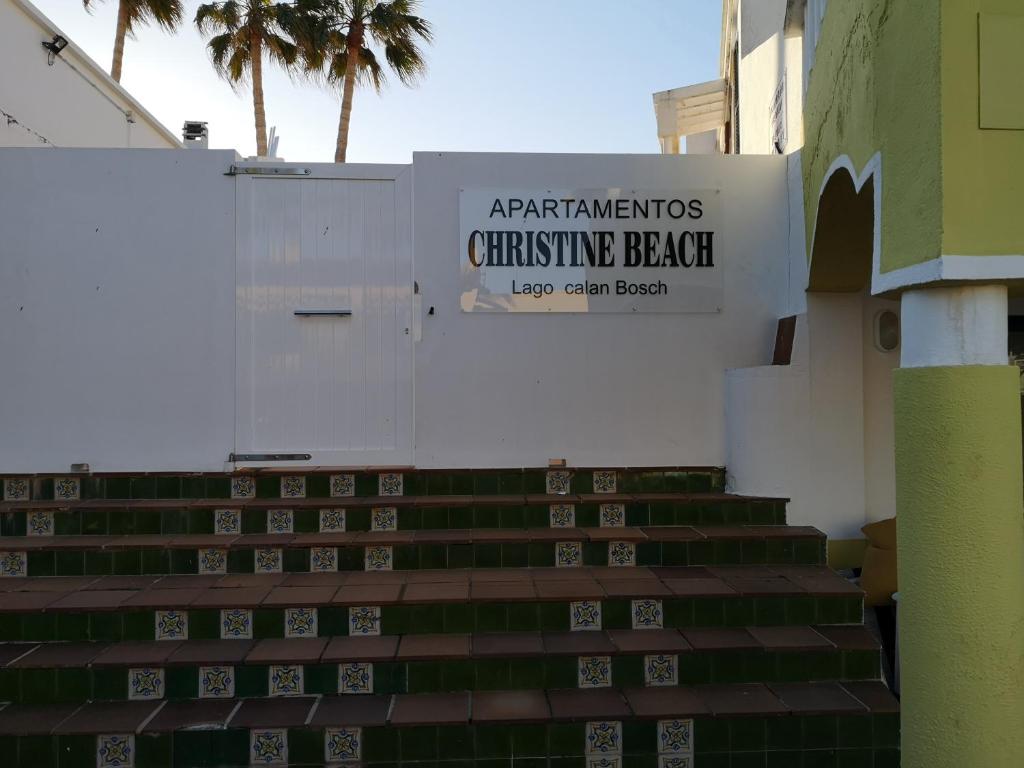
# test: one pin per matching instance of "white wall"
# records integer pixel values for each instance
(879, 427)
(116, 309)
(766, 55)
(516, 390)
(70, 104)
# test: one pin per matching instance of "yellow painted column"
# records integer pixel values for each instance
(960, 523)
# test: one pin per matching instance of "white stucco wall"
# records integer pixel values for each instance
(516, 390)
(766, 56)
(70, 104)
(117, 309)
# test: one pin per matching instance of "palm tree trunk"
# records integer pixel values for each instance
(259, 110)
(351, 67)
(119, 36)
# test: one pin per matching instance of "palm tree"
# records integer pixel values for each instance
(335, 38)
(242, 30)
(166, 13)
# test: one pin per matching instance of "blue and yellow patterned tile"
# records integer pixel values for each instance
(364, 620)
(584, 615)
(285, 680)
(236, 624)
(390, 484)
(227, 521)
(300, 622)
(145, 683)
(115, 751)
(647, 614)
(293, 487)
(280, 521)
(332, 520)
(594, 672)
(343, 485)
(268, 746)
(343, 745)
(384, 519)
(243, 487)
(216, 682)
(355, 678)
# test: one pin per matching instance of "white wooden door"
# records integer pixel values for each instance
(324, 337)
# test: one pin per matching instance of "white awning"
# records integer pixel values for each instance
(693, 109)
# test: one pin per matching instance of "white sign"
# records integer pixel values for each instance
(590, 250)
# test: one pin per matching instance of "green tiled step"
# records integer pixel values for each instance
(75, 672)
(403, 550)
(779, 726)
(196, 516)
(268, 484)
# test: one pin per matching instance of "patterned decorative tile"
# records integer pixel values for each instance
(676, 761)
(268, 746)
(145, 684)
(280, 521)
(390, 484)
(67, 488)
(558, 481)
(17, 489)
(300, 622)
(384, 519)
(13, 564)
(171, 625)
(343, 744)
(293, 487)
(285, 680)
(268, 561)
(584, 615)
(213, 560)
(323, 559)
(594, 672)
(605, 481)
(661, 669)
(332, 520)
(604, 737)
(343, 485)
(39, 522)
(379, 558)
(115, 751)
(647, 614)
(613, 516)
(621, 553)
(364, 620)
(563, 515)
(604, 762)
(568, 554)
(355, 677)
(227, 521)
(243, 487)
(235, 624)
(675, 737)
(216, 682)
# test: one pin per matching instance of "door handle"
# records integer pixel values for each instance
(323, 313)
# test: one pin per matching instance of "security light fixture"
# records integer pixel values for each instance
(54, 47)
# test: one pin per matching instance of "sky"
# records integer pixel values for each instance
(503, 76)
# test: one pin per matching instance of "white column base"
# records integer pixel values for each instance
(954, 326)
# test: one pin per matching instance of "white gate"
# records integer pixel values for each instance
(324, 316)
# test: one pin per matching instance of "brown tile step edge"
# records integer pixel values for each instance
(387, 648)
(538, 706)
(354, 588)
(373, 538)
(475, 500)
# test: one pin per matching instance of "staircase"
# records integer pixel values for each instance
(440, 619)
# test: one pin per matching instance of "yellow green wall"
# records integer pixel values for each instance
(875, 86)
(983, 170)
(961, 566)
